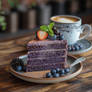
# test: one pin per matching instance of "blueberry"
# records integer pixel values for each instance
(52, 37)
(69, 48)
(53, 71)
(67, 70)
(77, 47)
(24, 68)
(56, 75)
(62, 72)
(16, 62)
(62, 37)
(56, 31)
(80, 46)
(73, 48)
(57, 70)
(58, 37)
(19, 68)
(48, 75)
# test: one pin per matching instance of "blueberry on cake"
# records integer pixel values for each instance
(48, 52)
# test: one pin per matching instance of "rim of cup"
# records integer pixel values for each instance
(71, 16)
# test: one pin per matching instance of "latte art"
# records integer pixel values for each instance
(71, 28)
(64, 19)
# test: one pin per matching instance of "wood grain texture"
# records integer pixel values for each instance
(9, 83)
(10, 47)
(82, 83)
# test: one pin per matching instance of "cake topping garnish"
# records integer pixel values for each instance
(48, 29)
(44, 31)
(42, 35)
(49, 32)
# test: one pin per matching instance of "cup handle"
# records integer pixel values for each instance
(85, 27)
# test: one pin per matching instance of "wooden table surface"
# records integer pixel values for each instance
(81, 83)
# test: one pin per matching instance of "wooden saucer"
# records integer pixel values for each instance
(39, 76)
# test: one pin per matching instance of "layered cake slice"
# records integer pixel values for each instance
(46, 55)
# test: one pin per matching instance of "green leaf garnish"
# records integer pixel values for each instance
(51, 25)
(48, 28)
(44, 28)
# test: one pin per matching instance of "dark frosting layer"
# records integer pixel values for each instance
(45, 55)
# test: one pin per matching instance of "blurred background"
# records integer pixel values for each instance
(19, 20)
(16, 15)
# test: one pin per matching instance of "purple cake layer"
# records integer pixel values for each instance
(33, 62)
(44, 67)
(47, 53)
(45, 45)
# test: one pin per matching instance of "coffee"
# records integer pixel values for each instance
(70, 27)
(64, 19)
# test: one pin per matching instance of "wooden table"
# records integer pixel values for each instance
(82, 83)
(9, 83)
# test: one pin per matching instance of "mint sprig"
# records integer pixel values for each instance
(48, 28)
(44, 28)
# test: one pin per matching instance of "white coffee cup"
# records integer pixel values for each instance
(71, 28)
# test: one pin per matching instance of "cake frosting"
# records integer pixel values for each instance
(46, 55)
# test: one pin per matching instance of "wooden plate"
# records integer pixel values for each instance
(39, 76)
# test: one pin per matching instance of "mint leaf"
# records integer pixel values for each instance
(50, 26)
(51, 34)
(44, 28)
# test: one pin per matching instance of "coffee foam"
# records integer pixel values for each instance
(65, 19)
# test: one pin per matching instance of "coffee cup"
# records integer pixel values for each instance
(71, 27)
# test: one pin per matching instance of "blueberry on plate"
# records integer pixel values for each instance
(53, 71)
(16, 62)
(62, 72)
(52, 37)
(24, 68)
(77, 47)
(19, 68)
(73, 48)
(56, 75)
(67, 70)
(48, 75)
(69, 48)
(80, 46)
(57, 70)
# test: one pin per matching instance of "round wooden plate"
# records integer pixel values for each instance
(39, 76)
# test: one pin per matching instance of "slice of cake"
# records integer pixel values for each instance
(46, 55)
